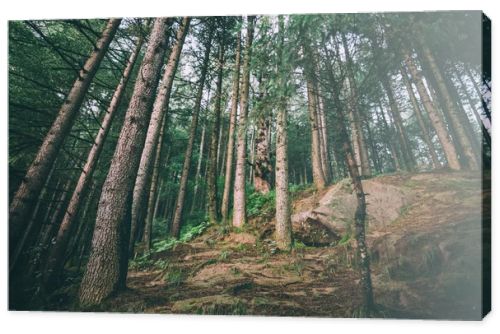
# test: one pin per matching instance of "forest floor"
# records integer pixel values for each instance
(423, 232)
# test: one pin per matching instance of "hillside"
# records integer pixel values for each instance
(423, 234)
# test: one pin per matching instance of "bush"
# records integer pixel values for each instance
(261, 204)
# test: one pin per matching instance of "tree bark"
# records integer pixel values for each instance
(155, 124)
(418, 114)
(262, 165)
(318, 176)
(148, 224)
(283, 209)
(32, 183)
(239, 205)
(359, 220)
(55, 262)
(407, 154)
(436, 119)
(214, 139)
(179, 206)
(388, 138)
(357, 129)
(464, 141)
(107, 265)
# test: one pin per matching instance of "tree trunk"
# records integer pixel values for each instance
(198, 169)
(483, 124)
(239, 205)
(32, 183)
(359, 220)
(214, 139)
(325, 156)
(318, 176)
(436, 119)
(418, 114)
(479, 94)
(357, 128)
(55, 262)
(262, 165)
(407, 154)
(388, 139)
(148, 224)
(283, 210)
(176, 222)
(107, 265)
(155, 124)
(464, 141)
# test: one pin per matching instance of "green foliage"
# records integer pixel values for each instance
(175, 277)
(224, 255)
(261, 204)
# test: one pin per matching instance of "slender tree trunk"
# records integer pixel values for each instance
(436, 119)
(82, 225)
(32, 183)
(418, 114)
(179, 207)
(464, 141)
(325, 156)
(239, 205)
(212, 160)
(358, 136)
(388, 138)
(283, 209)
(483, 124)
(155, 125)
(107, 265)
(318, 176)
(33, 220)
(359, 220)
(55, 262)
(198, 169)
(407, 154)
(148, 224)
(479, 94)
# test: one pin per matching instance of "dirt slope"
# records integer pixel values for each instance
(423, 233)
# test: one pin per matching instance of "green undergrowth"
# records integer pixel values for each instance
(188, 233)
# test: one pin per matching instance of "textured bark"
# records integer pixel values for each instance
(461, 134)
(239, 205)
(407, 154)
(420, 119)
(318, 176)
(436, 118)
(213, 214)
(155, 124)
(283, 210)
(323, 127)
(181, 195)
(32, 184)
(262, 165)
(107, 265)
(55, 262)
(356, 126)
(359, 220)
